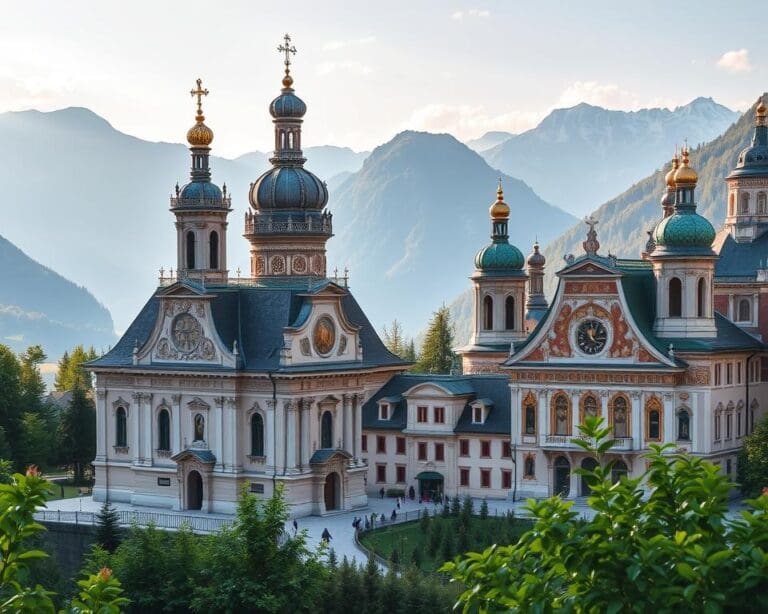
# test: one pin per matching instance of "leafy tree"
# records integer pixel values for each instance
(10, 397)
(36, 441)
(108, 527)
(71, 373)
(673, 550)
(6, 471)
(101, 594)
(425, 521)
(77, 433)
(5, 447)
(437, 350)
(32, 386)
(752, 466)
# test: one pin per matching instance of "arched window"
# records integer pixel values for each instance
(326, 430)
(744, 205)
(683, 425)
(701, 298)
(488, 313)
(620, 416)
(619, 470)
(675, 298)
(560, 418)
(121, 428)
(653, 418)
(509, 313)
(743, 312)
(257, 435)
(290, 140)
(190, 250)
(529, 410)
(164, 430)
(199, 427)
(589, 407)
(214, 250)
(529, 470)
(761, 203)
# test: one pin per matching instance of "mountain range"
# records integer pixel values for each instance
(579, 157)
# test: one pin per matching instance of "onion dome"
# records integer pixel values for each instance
(536, 258)
(753, 160)
(685, 175)
(287, 104)
(500, 257)
(288, 187)
(199, 135)
(668, 199)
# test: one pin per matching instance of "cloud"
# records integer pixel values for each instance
(350, 66)
(735, 61)
(468, 121)
(334, 45)
(459, 15)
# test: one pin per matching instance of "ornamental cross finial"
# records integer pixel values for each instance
(287, 49)
(591, 245)
(199, 92)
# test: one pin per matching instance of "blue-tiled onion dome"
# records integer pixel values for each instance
(287, 104)
(684, 230)
(499, 257)
(201, 190)
(753, 160)
(288, 187)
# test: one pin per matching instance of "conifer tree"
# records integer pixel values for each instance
(446, 548)
(30, 380)
(394, 559)
(437, 350)
(410, 352)
(394, 340)
(71, 372)
(416, 557)
(77, 433)
(108, 527)
(455, 506)
(484, 510)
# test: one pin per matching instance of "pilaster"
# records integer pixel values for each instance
(176, 422)
(101, 425)
(346, 401)
(290, 434)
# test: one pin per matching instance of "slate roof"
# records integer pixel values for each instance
(255, 317)
(740, 261)
(493, 388)
(323, 455)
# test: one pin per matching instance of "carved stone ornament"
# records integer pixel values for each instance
(186, 333)
(324, 335)
(342, 345)
(299, 264)
(187, 339)
(304, 346)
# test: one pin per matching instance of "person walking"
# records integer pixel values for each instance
(326, 536)
(381, 493)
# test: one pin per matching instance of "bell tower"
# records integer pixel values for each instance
(201, 209)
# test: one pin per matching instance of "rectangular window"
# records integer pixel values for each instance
(439, 415)
(364, 443)
(439, 452)
(463, 476)
(738, 424)
(728, 374)
(764, 369)
(485, 448)
(506, 479)
(400, 444)
(477, 415)
(506, 449)
(422, 450)
(728, 421)
(718, 375)
(717, 427)
(421, 414)
(485, 478)
(400, 469)
(381, 473)
(384, 411)
(738, 372)
(728, 466)
(463, 447)
(167, 482)
(381, 444)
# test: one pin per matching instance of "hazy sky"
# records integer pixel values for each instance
(369, 70)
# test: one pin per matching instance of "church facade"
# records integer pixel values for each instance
(278, 379)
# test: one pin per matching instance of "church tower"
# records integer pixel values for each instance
(747, 213)
(288, 225)
(683, 264)
(536, 303)
(201, 209)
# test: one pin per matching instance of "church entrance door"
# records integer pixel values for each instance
(332, 492)
(588, 464)
(562, 477)
(194, 491)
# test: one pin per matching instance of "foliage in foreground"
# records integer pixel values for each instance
(672, 551)
(752, 466)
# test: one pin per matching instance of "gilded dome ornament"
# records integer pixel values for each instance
(499, 209)
(199, 135)
(685, 175)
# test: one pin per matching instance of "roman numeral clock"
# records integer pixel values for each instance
(591, 336)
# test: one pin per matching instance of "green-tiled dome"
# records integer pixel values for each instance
(499, 256)
(684, 230)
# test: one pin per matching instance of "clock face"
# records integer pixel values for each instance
(185, 333)
(591, 336)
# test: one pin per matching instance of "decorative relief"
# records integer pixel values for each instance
(591, 377)
(697, 376)
(644, 355)
(299, 264)
(317, 264)
(304, 346)
(559, 344)
(324, 335)
(277, 265)
(625, 344)
(259, 266)
(590, 287)
(186, 333)
(342, 345)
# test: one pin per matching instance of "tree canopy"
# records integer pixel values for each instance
(71, 372)
(752, 468)
(437, 351)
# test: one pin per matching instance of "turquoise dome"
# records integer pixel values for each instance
(288, 187)
(684, 230)
(288, 105)
(202, 190)
(500, 256)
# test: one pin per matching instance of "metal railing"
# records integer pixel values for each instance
(126, 518)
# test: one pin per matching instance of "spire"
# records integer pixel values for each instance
(287, 110)
(288, 49)
(199, 135)
(668, 198)
(685, 183)
(499, 216)
(591, 245)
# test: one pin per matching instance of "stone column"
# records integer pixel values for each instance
(575, 396)
(358, 420)
(233, 442)
(290, 435)
(134, 437)
(101, 425)
(149, 423)
(730, 307)
(306, 441)
(218, 439)
(515, 428)
(269, 434)
(176, 423)
(636, 421)
(347, 417)
(669, 418)
(543, 427)
(279, 436)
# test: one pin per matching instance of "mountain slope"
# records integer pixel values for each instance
(410, 221)
(38, 305)
(581, 156)
(624, 219)
(488, 140)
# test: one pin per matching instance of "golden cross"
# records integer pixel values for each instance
(199, 92)
(287, 49)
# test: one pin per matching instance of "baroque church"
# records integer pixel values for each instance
(278, 379)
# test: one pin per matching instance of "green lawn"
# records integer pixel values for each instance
(442, 539)
(69, 492)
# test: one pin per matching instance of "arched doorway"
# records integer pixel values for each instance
(619, 470)
(194, 491)
(332, 492)
(430, 486)
(588, 464)
(562, 476)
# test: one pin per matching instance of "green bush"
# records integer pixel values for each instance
(395, 492)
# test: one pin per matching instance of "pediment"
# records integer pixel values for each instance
(182, 288)
(433, 389)
(325, 456)
(589, 268)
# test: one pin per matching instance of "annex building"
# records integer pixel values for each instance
(278, 378)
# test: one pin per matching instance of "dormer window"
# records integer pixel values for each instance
(480, 409)
(384, 411)
(439, 415)
(421, 414)
(477, 415)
